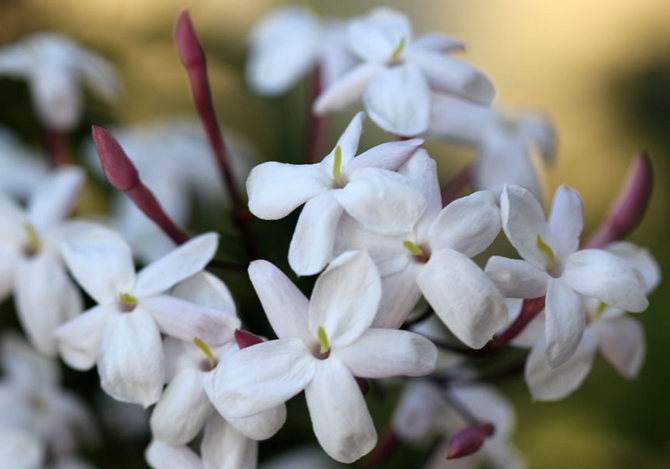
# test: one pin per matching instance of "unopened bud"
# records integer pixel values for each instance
(119, 170)
(190, 51)
(469, 440)
(246, 339)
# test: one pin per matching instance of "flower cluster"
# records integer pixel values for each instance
(404, 281)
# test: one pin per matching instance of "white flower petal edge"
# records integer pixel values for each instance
(223, 447)
(621, 341)
(161, 455)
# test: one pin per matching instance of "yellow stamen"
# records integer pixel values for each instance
(544, 247)
(337, 166)
(202, 346)
(323, 340)
(33, 240)
(601, 308)
(127, 299)
(413, 248)
(398, 50)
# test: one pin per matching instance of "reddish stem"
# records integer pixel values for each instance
(316, 124)
(530, 309)
(57, 147)
(455, 186)
(194, 61)
(385, 448)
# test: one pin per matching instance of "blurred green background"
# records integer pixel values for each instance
(600, 69)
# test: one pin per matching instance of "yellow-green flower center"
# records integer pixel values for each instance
(33, 242)
(207, 351)
(323, 341)
(395, 55)
(128, 302)
(544, 247)
(416, 251)
(337, 166)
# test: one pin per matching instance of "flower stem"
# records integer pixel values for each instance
(455, 186)
(57, 147)
(316, 125)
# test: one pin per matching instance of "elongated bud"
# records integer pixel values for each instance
(122, 174)
(629, 206)
(246, 339)
(190, 51)
(469, 440)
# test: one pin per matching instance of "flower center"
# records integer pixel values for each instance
(395, 55)
(33, 242)
(211, 362)
(544, 247)
(323, 348)
(420, 255)
(127, 302)
(337, 167)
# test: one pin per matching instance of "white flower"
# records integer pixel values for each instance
(55, 67)
(23, 169)
(323, 344)
(554, 267)
(24, 450)
(31, 263)
(365, 186)
(133, 310)
(31, 399)
(505, 142)
(433, 258)
(619, 338)
(289, 42)
(398, 74)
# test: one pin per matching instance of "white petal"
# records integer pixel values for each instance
(463, 297)
(639, 259)
(453, 76)
(345, 298)
(56, 97)
(622, 343)
(383, 201)
(398, 100)
(276, 189)
(565, 321)
(421, 170)
(262, 425)
(547, 383)
(516, 278)
(79, 339)
(601, 275)
(460, 121)
(340, 418)
(438, 42)
(348, 143)
(417, 415)
(98, 74)
(566, 220)
(24, 368)
(21, 448)
(182, 410)
(284, 304)
(346, 90)
(468, 225)
(390, 155)
(206, 289)
(260, 377)
(523, 220)
(533, 331)
(12, 221)
(223, 447)
(312, 243)
(54, 198)
(186, 321)
(45, 298)
(181, 263)
(130, 359)
(383, 353)
(400, 294)
(160, 455)
(375, 36)
(101, 262)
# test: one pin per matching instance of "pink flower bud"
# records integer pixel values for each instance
(246, 339)
(119, 170)
(469, 440)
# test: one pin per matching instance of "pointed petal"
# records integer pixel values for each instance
(101, 262)
(348, 143)
(454, 76)
(79, 339)
(160, 455)
(640, 259)
(311, 246)
(53, 199)
(463, 297)
(56, 97)
(622, 343)
(390, 155)
(601, 275)
(383, 353)
(130, 359)
(340, 418)
(276, 189)
(400, 294)
(223, 447)
(516, 278)
(12, 221)
(260, 377)
(438, 43)
(262, 425)
(460, 121)
(565, 320)
(467, 225)
(547, 383)
(376, 35)
(523, 220)
(186, 321)
(181, 263)
(346, 90)
(398, 100)
(182, 410)
(566, 220)
(207, 290)
(345, 298)
(381, 200)
(284, 304)
(421, 170)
